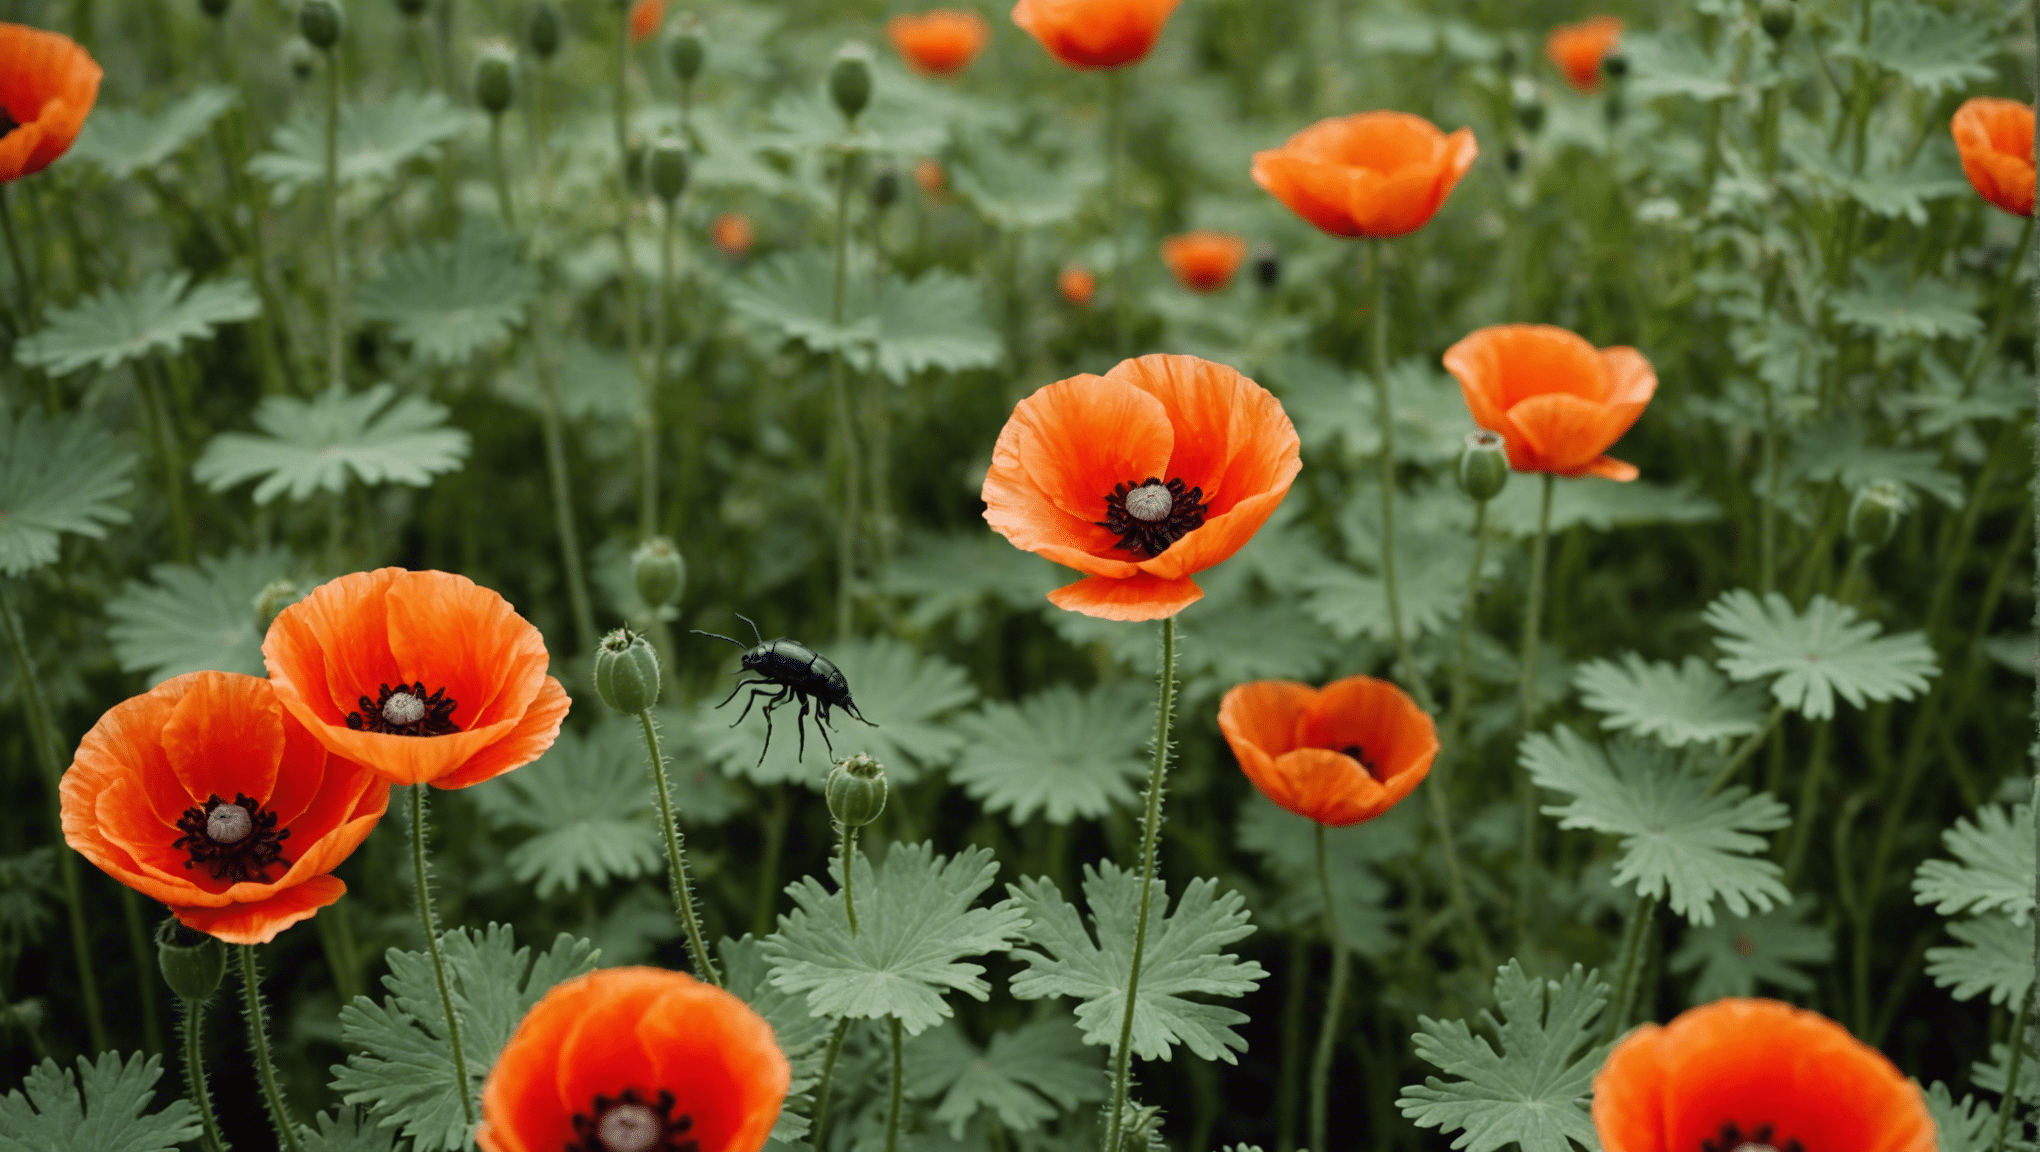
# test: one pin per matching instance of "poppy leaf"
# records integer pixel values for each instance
(1678, 841)
(1993, 954)
(1896, 305)
(1058, 754)
(1671, 63)
(100, 1108)
(312, 446)
(1012, 190)
(793, 293)
(58, 474)
(1600, 505)
(1287, 846)
(1025, 1077)
(1993, 866)
(348, 1130)
(402, 1065)
(451, 300)
(374, 141)
(801, 1035)
(589, 802)
(915, 924)
(116, 325)
(1963, 1126)
(1678, 704)
(1817, 654)
(1993, 1074)
(1533, 1091)
(935, 321)
(1185, 956)
(1736, 953)
(124, 141)
(1931, 49)
(196, 618)
(1839, 451)
(951, 576)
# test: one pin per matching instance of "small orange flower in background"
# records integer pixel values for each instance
(1204, 261)
(1077, 285)
(933, 181)
(1556, 400)
(1995, 138)
(645, 18)
(1368, 174)
(1339, 755)
(425, 677)
(204, 793)
(1140, 478)
(942, 42)
(635, 1058)
(1095, 33)
(1578, 49)
(731, 233)
(48, 85)
(1739, 1073)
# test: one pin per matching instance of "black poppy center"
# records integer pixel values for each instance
(1360, 754)
(7, 123)
(631, 1123)
(1758, 1139)
(406, 711)
(235, 842)
(1150, 516)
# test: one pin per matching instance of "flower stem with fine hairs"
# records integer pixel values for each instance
(892, 1115)
(648, 480)
(2009, 1106)
(460, 1072)
(849, 858)
(24, 288)
(189, 1028)
(1629, 970)
(1115, 147)
(336, 349)
(1385, 417)
(829, 1058)
(1151, 825)
(839, 393)
(1533, 614)
(2033, 13)
(676, 862)
(1335, 1001)
(258, 1042)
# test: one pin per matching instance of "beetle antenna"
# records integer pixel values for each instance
(754, 626)
(719, 636)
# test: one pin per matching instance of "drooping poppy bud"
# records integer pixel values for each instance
(192, 962)
(495, 79)
(1483, 466)
(542, 31)
(1874, 515)
(856, 791)
(666, 168)
(626, 672)
(659, 572)
(320, 22)
(850, 80)
(1077, 285)
(299, 58)
(1578, 50)
(685, 51)
(1778, 17)
(1995, 139)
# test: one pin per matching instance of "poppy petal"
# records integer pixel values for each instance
(1377, 717)
(448, 630)
(1140, 597)
(1222, 535)
(1565, 434)
(526, 742)
(1063, 451)
(1263, 715)
(1331, 788)
(521, 1096)
(1319, 192)
(601, 1055)
(729, 1060)
(260, 922)
(1609, 468)
(214, 758)
(330, 648)
(1229, 435)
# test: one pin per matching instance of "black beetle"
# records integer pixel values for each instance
(796, 670)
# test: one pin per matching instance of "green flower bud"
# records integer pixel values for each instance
(856, 791)
(495, 79)
(1528, 101)
(542, 34)
(1874, 515)
(1484, 466)
(659, 571)
(634, 165)
(192, 961)
(274, 598)
(1616, 65)
(1778, 17)
(299, 58)
(666, 167)
(1267, 267)
(217, 9)
(885, 187)
(411, 8)
(850, 80)
(686, 52)
(320, 23)
(626, 672)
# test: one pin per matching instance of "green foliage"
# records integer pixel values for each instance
(1532, 1092)
(58, 474)
(1892, 304)
(28, 887)
(124, 141)
(313, 446)
(196, 618)
(1932, 49)
(589, 802)
(1993, 866)
(114, 325)
(801, 1035)
(936, 321)
(103, 1107)
(375, 141)
(1013, 191)
(1287, 846)
(1600, 505)
(1993, 954)
(1678, 704)
(1672, 64)
(451, 300)
(1735, 954)
(1817, 654)
(1025, 1077)
(1058, 754)
(348, 1130)
(1185, 956)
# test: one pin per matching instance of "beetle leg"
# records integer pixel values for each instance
(771, 702)
(800, 724)
(821, 714)
(737, 689)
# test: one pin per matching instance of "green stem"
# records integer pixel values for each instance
(2001, 325)
(335, 339)
(1151, 825)
(258, 1042)
(2033, 254)
(768, 868)
(839, 392)
(1533, 613)
(1335, 1001)
(829, 1057)
(1115, 149)
(550, 424)
(648, 479)
(425, 918)
(24, 288)
(500, 175)
(1767, 515)
(1747, 749)
(849, 858)
(899, 1082)
(683, 896)
(148, 375)
(144, 954)
(1440, 791)
(189, 1029)
(43, 735)
(1385, 417)
(2009, 1106)
(1628, 974)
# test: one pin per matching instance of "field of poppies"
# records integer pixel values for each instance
(825, 576)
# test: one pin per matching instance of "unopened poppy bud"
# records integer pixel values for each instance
(495, 80)
(885, 187)
(1483, 466)
(192, 961)
(634, 164)
(659, 572)
(1267, 266)
(626, 672)
(320, 23)
(214, 8)
(411, 8)
(274, 598)
(1529, 104)
(1616, 65)
(666, 168)
(856, 791)
(299, 58)
(1874, 514)
(685, 51)
(1509, 59)
(1512, 158)
(850, 80)
(1778, 17)
(542, 33)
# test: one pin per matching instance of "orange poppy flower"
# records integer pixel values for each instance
(1140, 478)
(1368, 174)
(47, 87)
(1578, 49)
(206, 794)
(933, 181)
(1095, 33)
(645, 18)
(731, 233)
(943, 41)
(1204, 261)
(639, 1059)
(1077, 285)
(1995, 138)
(1737, 1073)
(423, 676)
(1339, 755)
(1555, 399)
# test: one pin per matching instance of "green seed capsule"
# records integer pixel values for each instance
(1528, 101)
(626, 672)
(1778, 17)
(411, 8)
(495, 80)
(217, 9)
(885, 187)
(686, 53)
(1874, 515)
(856, 791)
(542, 34)
(299, 58)
(659, 571)
(850, 80)
(192, 961)
(320, 23)
(1484, 466)
(666, 168)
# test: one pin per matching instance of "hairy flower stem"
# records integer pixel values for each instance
(1385, 417)
(336, 349)
(676, 862)
(1115, 160)
(648, 418)
(849, 858)
(1439, 794)
(655, 372)
(189, 1028)
(830, 1055)
(839, 394)
(1533, 614)
(2009, 1106)
(1151, 826)
(499, 176)
(24, 287)
(258, 1044)
(145, 989)
(1745, 750)
(899, 1081)
(1335, 1000)
(42, 733)
(425, 917)
(1629, 971)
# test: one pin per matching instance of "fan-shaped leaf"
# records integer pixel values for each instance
(1992, 870)
(312, 446)
(1059, 753)
(1676, 703)
(1736, 953)
(451, 300)
(192, 619)
(123, 141)
(1993, 954)
(116, 325)
(1817, 654)
(589, 802)
(374, 141)
(57, 474)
